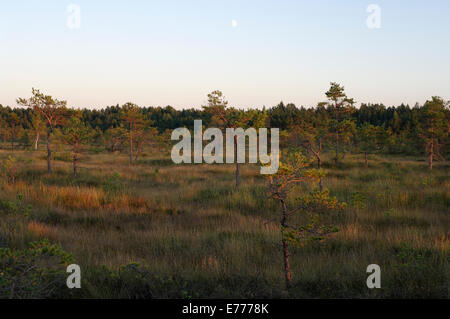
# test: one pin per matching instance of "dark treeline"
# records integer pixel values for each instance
(283, 116)
(401, 121)
(334, 126)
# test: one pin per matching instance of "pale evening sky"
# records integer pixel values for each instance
(258, 52)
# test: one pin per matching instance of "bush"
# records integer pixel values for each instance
(9, 169)
(15, 207)
(134, 281)
(418, 273)
(36, 272)
(113, 184)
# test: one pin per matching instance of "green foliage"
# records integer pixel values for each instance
(294, 169)
(313, 206)
(15, 207)
(370, 138)
(115, 138)
(411, 262)
(113, 184)
(434, 128)
(35, 272)
(75, 132)
(341, 126)
(321, 201)
(358, 200)
(51, 110)
(9, 169)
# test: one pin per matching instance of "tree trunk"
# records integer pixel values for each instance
(75, 166)
(36, 141)
(49, 152)
(237, 164)
(365, 159)
(287, 265)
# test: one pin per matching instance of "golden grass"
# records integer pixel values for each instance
(189, 219)
(41, 230)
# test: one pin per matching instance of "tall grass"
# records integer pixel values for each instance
(195, 235)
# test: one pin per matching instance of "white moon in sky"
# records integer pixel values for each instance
(234, 23)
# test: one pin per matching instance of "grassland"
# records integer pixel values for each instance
(185, 232)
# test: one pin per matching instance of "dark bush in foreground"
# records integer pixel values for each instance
(36, 272)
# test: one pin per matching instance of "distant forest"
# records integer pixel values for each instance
(398, 130)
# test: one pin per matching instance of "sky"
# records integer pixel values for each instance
(257, 52)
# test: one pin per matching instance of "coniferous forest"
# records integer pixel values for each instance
(399, 129)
